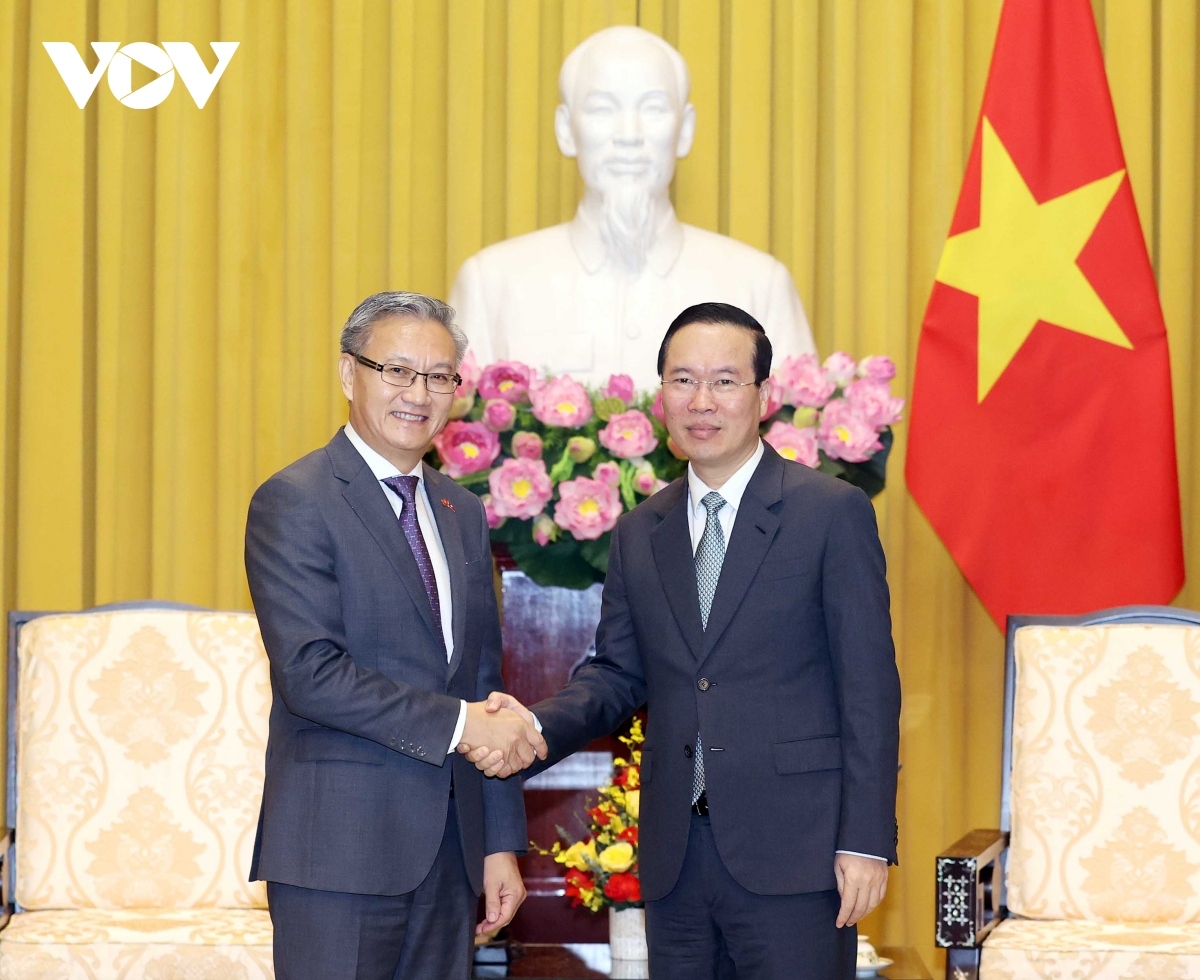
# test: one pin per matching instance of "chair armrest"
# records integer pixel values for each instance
(970, 888)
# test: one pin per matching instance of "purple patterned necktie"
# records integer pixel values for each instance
(406, 489)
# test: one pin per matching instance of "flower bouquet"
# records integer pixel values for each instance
(556, 463)
(602, 869)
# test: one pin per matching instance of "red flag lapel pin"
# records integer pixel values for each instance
(446, 503)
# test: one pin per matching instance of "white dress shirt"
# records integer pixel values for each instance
(433, 543)
(731, 490)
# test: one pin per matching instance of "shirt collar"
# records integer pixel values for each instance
(733, 488)
(592, 253)
(380, 466)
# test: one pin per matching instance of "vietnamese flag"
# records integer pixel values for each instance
(1041, 440)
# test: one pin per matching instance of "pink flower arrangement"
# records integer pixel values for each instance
(804, 382)
(795, 444)
(499, 415)
(628, 434)
(656, 408)
(509, 380)
(527, 445)
(561, 402)
(845, 433)
(587, 508)
(841, 368)
(774, 398)
(494, 520)
(874, 400)
(464, 394)
(619, 386)
(520, 488)
(608, 473)
(544, 529)
(877, 368)
(645, 480)
(466, 447)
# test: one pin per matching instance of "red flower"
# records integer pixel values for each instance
(630, 834)
(621, 777)
(599, 816)
(576, 881)
(624, 887)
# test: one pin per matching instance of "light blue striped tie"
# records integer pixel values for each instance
(710, 555)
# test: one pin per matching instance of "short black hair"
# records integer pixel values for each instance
(724, 313)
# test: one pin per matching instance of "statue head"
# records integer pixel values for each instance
(626, 118)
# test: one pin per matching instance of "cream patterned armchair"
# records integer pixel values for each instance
(1095, 872)
(135, 769)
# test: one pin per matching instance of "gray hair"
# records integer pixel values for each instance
(356, 334)
(570, 66)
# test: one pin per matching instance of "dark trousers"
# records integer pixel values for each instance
(711, 928)
(425, 934)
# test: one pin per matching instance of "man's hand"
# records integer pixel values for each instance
(862, 883)
(512, 742)
(503, 891)
(488, 760)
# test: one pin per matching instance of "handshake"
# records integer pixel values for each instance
(501, 736)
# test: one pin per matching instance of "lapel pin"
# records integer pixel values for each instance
(446, 503)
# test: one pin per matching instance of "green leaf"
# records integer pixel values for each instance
(627, 475)
(595, 553)
(479, 476)
(564, 469)
(560, 563)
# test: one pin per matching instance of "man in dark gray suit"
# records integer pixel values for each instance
(746, 605)
(372, 580)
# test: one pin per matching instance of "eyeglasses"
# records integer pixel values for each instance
(685, 388)
(436, 382)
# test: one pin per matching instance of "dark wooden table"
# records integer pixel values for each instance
(584, 961)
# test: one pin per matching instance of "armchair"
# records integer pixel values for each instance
(136, 736)
(1094, 871)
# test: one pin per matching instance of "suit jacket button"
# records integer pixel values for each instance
(420, 751)
(687, 750)
(702, 683)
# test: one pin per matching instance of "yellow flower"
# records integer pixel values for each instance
(578, 854)
(633, 802)
(616, 858)
(616, 824)
(634, 780)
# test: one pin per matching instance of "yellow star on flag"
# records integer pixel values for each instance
(1020, 261)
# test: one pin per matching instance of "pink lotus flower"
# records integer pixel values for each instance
(619, 386)
(544, 530)
(874, 400)
(494, 520)
(656, 409)
(561, 401)
(608, 473)
(659, 485)
(466, 447)
(799, 445)
(877, 368)
(469, 371)
(509, 380)
(520, 488)
(527, 445)
(587, 508)
(804, 381)
(645, 480)
(774, 398)
(499, 415)
(628, 434)
(841, 368)
(846, 434)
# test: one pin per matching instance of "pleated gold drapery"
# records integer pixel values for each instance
(173, 279)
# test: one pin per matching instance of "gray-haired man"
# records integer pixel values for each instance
(372, 580)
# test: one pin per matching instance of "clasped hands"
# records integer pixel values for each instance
(501, 736)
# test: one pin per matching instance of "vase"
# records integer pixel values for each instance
(627, 938)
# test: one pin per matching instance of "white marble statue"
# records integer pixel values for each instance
(594, 296)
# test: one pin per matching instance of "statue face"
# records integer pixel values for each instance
(625, 122)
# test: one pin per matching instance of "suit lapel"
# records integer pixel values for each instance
(368, 500)
(753, 531)
(672, 547)
(450, 530)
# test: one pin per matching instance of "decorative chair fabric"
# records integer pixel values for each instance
(138, 944)
(1105, 789)
(1031, 949)
(140, 744)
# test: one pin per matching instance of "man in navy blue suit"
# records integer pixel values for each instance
(746, 604)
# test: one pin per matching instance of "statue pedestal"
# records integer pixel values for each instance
(548, 631)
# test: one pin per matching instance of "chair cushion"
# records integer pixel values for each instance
(1106, 774)
(1023, 949)
(140, 745)
(82, 944)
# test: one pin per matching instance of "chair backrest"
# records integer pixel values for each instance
(140, 740)
(1104, 787)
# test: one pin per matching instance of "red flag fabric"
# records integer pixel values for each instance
(1041, 437)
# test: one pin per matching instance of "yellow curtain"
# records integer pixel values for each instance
(172, 280)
